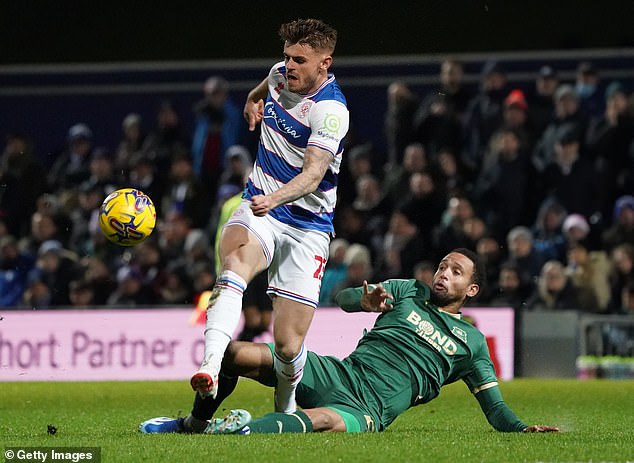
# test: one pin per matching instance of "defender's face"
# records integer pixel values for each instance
(453, 279)
(306, 68)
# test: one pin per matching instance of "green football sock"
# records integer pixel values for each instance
(277, 423)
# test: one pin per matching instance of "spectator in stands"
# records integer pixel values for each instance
(352, 225)
(173, 232)
(396, 182)
(452, 85)
(359, 161)
(374, 206)
(134, 143)
(571, 178)
(168, 138)
(100, 248)
(609, 134)
(484, 114)
(589, 274)
(493, 255)
(44, 227)
(423, 204)
(359, 265)
(452, 176)
(37, 294)
(55, 267)
(541, 107)
(370, 199)
(23, 180)
(81, 293)
(621, 275)
(587, 85)
(186, 193)
(576, 229)
(401, 107)
(450, 233)
(515, 117)
(102, 172)
(335, 271)
(219, 125)
(72, 167)
(522, 254)
(436, 126)
(145, 176)
(554, 291)
(508, 289)
(622, 228)
(197, 249)
(177, 286)
(15, 266)
(149, 262)
(505, 188)
(130, 290)
(237, 168)
(548, 236)
(99, 276)
(609, 138)
(567, 113)
(474, 229)
(85, 217)
(402, 248)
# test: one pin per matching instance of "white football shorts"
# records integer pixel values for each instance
(296, 257)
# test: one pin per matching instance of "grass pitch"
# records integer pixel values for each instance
(597, 419)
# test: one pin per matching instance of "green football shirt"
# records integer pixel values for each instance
(415, 348)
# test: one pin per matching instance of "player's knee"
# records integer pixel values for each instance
(325, 420)
(287, 351)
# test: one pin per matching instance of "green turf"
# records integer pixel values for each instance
(597, 418)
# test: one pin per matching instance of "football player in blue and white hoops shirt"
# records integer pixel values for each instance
(284, 222)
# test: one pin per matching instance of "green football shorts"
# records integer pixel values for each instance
(328, 382)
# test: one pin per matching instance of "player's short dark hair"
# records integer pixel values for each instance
(312, 32)
(479, 268)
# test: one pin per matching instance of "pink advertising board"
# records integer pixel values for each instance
(133, 344)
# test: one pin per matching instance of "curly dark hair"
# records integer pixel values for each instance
(312, 32)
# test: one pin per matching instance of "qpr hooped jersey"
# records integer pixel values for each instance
(291, 123)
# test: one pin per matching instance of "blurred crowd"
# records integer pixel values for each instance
(538, 181)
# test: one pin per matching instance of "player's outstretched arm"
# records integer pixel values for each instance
(500, 416)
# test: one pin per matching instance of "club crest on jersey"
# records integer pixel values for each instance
(426, 330)
(303, 109)
(460, 333)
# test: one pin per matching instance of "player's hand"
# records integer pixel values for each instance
(540, 428)
(375, 300)
(253, 113)
(261, 205)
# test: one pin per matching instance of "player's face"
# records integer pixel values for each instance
(306, 67)
(453, 281)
